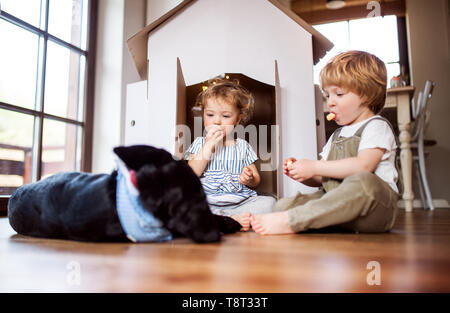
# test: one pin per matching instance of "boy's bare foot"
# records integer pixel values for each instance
(243, 219)
(271, 223)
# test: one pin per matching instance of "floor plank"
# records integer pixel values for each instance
(413, 257)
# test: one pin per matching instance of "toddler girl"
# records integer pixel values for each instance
(226, 166)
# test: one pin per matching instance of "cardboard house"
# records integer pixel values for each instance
(267, 47)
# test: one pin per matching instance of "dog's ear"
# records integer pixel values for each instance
(137, 156)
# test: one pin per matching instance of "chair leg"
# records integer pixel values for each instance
(420, 183)
(423, 171)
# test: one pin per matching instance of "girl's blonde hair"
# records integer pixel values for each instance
(361, 73)
(229, 91)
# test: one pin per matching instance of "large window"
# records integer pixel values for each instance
(45, 68)
(377, 35)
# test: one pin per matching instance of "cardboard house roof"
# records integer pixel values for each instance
(137, 44)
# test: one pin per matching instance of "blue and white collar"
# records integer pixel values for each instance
(139, 224)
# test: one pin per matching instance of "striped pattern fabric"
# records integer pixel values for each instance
(226, 165)
(139, 224)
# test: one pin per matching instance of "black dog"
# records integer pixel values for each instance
(81, 206)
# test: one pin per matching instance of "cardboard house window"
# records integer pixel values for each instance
(259, 131)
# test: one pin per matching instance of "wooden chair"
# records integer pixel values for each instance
(421, 116)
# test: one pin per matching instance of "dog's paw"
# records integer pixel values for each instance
(227, 225)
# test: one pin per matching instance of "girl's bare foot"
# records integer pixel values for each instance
(271, 223)
(243, 219)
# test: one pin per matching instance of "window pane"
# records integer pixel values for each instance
(337, 33)
(16, 142)
(26, 10)
(67, 20)
(63, 81)
(393, 69)
(377, 35)
(61, 142)
(19, 55)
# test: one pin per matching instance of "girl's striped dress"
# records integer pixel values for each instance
(226, 165)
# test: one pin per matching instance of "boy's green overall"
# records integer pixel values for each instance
(362, 202)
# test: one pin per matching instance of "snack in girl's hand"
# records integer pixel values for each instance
(286, 165)
(289, 162)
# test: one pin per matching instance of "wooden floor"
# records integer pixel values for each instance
(414, 257)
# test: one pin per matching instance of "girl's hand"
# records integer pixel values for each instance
(214, 137)
(286, 164)
(246, 176)
(301, 170)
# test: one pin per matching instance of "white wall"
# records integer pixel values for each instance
(157, 8)
(429, 51)
(134, 21)
(117, 21)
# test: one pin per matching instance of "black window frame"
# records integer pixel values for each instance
(87, 123)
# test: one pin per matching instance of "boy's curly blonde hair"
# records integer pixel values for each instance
(361, 73)
(229, 91)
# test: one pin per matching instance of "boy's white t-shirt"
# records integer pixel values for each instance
(376, 134)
